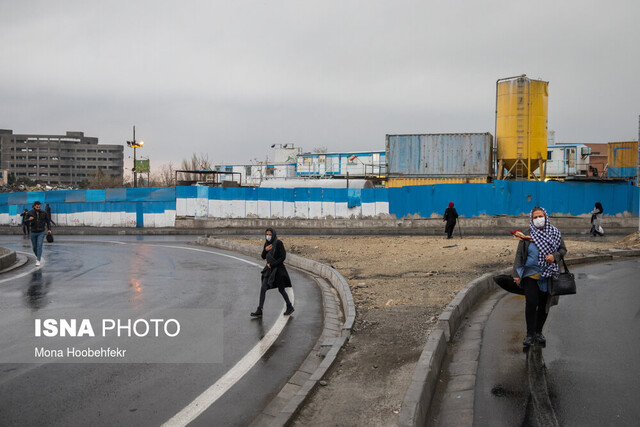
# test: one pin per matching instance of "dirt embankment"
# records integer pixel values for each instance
(400, 285)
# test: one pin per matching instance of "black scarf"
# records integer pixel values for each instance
(273, 243)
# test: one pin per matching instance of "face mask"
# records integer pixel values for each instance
(539, 222)
(268, 238)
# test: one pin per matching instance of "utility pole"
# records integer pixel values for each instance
(135, 144)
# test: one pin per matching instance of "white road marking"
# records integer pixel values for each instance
(116, 242)
(233, 375)
(220, 387)
(210, 252)
(213, 393)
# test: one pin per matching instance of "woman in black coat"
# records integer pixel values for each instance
(451, 216)
(274, 274)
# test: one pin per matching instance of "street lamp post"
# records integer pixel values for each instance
(135, 144)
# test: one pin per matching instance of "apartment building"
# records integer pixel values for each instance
(58, 159)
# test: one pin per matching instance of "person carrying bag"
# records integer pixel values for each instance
(535, 263)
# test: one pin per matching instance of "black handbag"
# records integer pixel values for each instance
(49, 238)
(562, 283)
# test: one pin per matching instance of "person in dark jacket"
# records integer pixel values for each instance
(25, 222)
(274, 274)
(450, 216)
(40, 225)
(47, 209)
(536, 261)
(596, 220)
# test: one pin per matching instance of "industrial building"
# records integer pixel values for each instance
(58, 159)
(567, 160)
(353, 164)
(598, 159)
(282, 167)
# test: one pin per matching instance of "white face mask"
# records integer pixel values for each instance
(539, 222)
(268, 238)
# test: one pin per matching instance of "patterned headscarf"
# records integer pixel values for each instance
(547, 240)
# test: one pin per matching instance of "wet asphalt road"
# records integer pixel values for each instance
(143, 273)
(592, 355)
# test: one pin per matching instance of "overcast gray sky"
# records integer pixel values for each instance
(230, 78)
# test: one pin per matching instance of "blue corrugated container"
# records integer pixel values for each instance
(622, 172)
(439, 155)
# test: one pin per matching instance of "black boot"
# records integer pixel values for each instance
(528, 341)
(289, 310)
(540, 339)
(257, 313)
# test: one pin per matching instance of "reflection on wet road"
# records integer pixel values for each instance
(591, 358)
(150, 274)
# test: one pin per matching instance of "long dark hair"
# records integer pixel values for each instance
(599, 207)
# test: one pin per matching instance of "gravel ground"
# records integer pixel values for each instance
(400, 286)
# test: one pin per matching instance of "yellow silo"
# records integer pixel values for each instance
(521, 127)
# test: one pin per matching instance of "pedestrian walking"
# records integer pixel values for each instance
(47, 209)
(536, 261)
(274, 274)
(596, 220)
(40, 226)
(25, 222)
(450, 216)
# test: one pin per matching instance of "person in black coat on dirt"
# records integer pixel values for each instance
(450, 215)
(274, 274)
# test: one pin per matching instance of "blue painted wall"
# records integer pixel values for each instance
(513, 198)
(129, 200)
(497, 198)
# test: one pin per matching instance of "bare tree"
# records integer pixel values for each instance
(320, 150)
(167, 176)
(102, 180)
(196, 163)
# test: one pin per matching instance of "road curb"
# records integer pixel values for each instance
(419, 394)
(7, 258)
(295, 393)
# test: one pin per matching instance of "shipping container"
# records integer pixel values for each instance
(623, 154)
(453, 155)
(405, 182)
(623, 159)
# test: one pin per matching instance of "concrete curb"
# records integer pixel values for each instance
(334, 336)
(417, 399)
(7, 258)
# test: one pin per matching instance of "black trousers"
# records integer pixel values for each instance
(263, 293)
(448, 228)
(535, 311)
